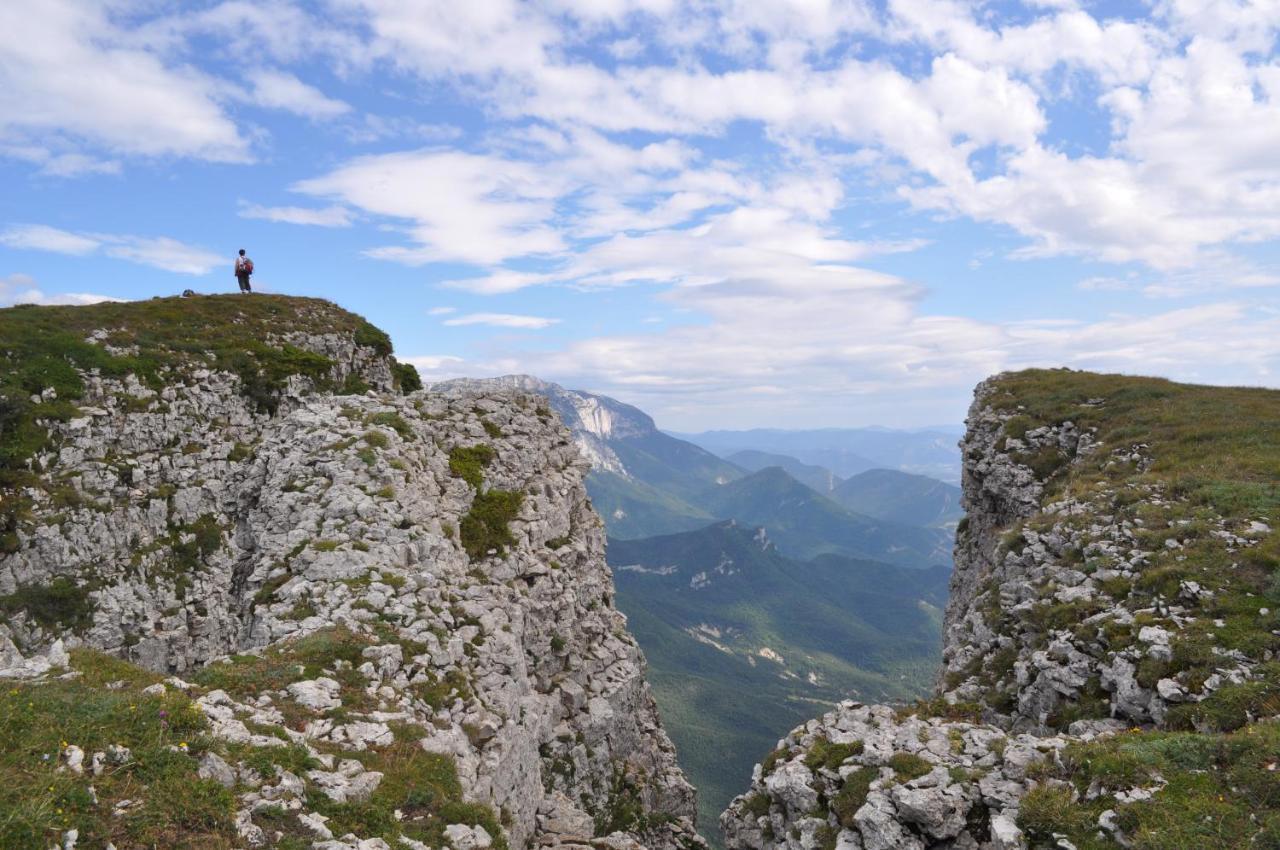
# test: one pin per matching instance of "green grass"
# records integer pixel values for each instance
(1221, 792)
(394, 421)
(172, 807)
(1217, 446)
(37, 803)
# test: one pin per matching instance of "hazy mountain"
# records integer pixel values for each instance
(818, 477)
(848, 451)
(805, 524)
(743, 641)
(901, 497)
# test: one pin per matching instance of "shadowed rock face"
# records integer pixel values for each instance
(1087, 599)
(189, 526)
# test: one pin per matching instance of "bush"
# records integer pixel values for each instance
(853, 795)
(485, 527)
(909, 766)
(1047, 809)
(468, 463)
(60, 603)
(824, 753)
(372, 337)
(406, 377)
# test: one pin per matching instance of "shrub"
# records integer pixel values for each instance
(853, 795)
(468, 463)
(485, 527)
(394, 421)
(372, 337)
(1047, 809)
(406, 377)
(60, 603)
(824, 753)
(909, 766)
(756, 805)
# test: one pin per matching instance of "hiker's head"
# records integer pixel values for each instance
(242, 252)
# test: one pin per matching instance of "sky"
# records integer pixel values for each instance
(731, 213)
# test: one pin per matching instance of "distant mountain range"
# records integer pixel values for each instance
(646, 482)
(805, 524)
(848, 451)
(743, 641)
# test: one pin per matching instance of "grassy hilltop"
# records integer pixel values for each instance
(1212, 468)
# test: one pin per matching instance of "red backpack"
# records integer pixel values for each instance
(247, 266)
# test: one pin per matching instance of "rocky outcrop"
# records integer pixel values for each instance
(448, 533)
(1089, 596)
(594, 420)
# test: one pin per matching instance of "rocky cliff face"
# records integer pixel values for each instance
(394, 574)
(1109, 674)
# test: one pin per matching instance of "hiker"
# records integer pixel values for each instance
(244, 268)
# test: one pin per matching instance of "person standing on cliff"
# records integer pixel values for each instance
(244, 268)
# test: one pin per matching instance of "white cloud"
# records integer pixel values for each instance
(160, 252)
(54, 164)
(66, 72)
(441, 311)
(453, 205)
(503, 320)
(22, 289)
(1102, 283)
(280, 90)
(318, 217)
(40, 237)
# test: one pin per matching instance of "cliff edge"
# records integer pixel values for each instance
(256, 595)
(1109, 674)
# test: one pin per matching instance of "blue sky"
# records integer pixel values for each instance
(730, 213)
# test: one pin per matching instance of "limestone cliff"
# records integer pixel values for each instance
(393, 576)
(1109, 673)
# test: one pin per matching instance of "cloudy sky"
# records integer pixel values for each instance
(729, 212)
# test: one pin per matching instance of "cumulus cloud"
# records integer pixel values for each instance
(159, 252)
(281, 90)
(453, 205)
(68, 71)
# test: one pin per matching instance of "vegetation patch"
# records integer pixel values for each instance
(173, 807)
(60, 604)
(853, 795)
(469, 462)
(1209, 790)
(406, 377)
(486, 528)
(394, 421)
(824, 753)
(909, 766)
